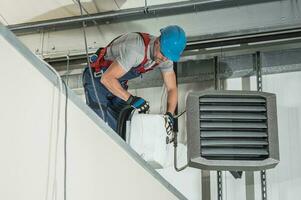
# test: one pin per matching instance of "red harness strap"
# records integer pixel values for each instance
(140, 68)
(102, 63)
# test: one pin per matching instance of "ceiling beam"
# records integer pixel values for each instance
(128, 15)
(245, 37)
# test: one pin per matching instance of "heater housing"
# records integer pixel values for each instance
(232, 130)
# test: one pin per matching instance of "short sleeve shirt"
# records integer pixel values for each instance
(128, 50)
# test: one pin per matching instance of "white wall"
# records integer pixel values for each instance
(99, 164)
(284, 181)
(286, 177)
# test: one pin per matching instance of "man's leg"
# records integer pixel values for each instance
(91, 98)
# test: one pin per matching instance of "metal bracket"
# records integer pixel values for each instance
(263, 185)
(219, 185)
(259, 88)
(217, 85)
(236, 174)
(146, 11)
(258, 71)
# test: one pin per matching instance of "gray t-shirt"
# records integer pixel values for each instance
(129, 49)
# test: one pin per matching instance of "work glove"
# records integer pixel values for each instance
(138, 103)
(93, 58)
(169, 122)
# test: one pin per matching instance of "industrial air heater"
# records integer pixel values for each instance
(232, 130)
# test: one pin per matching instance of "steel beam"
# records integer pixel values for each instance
(196, 71)
(206, 192)
(251, 36)
(129, 14)
(218, 40)
(249, 182)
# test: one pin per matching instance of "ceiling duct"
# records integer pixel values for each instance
(232, 130)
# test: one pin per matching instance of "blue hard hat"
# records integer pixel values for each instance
(172, 42)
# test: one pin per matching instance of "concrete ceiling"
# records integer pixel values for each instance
(15, 11)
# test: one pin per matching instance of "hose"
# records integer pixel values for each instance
(88, 62)
(124, 115)
(175, 144)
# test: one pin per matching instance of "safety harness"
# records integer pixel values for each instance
(101, 63)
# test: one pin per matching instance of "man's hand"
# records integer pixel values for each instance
(93, 58)
(138, 103)
(169, 121)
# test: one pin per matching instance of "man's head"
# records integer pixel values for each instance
(170, 45)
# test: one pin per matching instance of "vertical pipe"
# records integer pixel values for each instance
(216, 73)
(259, 89)
(205, 185)
(217, 86)
(249, 182)
(175, 127)
(258, 72)
(249, 175)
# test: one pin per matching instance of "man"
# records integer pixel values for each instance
(125, 58)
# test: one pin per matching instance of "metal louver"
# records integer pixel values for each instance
(232, 130)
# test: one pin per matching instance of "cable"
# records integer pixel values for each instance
(179, 115)
(4, 20)
(57, 131)
(125, 114)
(66, 125)
(61, 83)
(84, 9)
(94, 21)
(67, 68)
(65, 143)
(42, 47)
(117, 4)
(87, 55)
(175, 144)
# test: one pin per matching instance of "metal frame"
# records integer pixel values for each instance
(193, 141)
(251, 36)
(144, 12)
(216, 40)
(219, 185)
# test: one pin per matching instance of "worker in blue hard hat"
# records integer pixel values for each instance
(127, 57)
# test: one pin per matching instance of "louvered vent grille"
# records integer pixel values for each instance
(233, 127)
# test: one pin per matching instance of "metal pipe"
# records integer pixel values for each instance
(67, 69)
(72, 20)
(289, 32)
(175, 143)
(131, 14)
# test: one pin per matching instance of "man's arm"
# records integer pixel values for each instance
(169, 79)
(110, 80)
